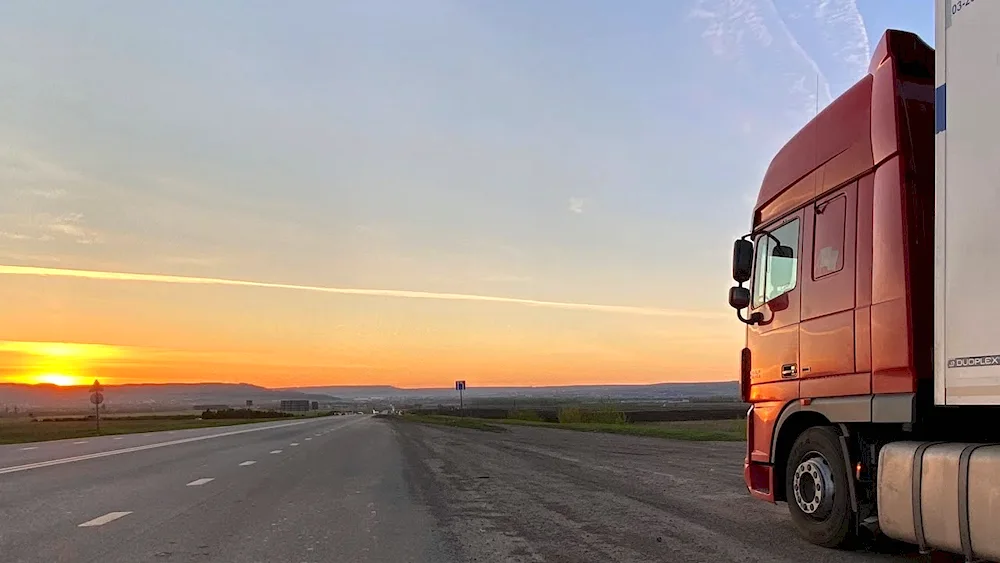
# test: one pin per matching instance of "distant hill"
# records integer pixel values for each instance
(185, 396)
(658, 391)
(150, 396)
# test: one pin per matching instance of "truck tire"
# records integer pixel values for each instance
(816, 488)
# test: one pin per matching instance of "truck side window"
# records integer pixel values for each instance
(777, 263)
(828, 239)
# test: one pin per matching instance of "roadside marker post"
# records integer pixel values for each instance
(97, 397)
(460, 387)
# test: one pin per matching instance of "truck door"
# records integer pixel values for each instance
(827, 329)
(774, 343)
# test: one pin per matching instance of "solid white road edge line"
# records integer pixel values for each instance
(84, 457)
(102, 520)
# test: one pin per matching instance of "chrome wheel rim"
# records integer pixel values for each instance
(813, 486)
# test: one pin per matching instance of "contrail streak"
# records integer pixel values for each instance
(165, 278)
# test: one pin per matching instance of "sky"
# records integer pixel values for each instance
(397, 192)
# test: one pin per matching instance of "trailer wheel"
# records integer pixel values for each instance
(816, 488)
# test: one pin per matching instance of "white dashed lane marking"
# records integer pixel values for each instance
(275, 451)
(307, 439)
(248, 462)
(200, 482)
(117, 438)
(294, 444)
(29, 448)
(133, 449)
(102, 520)
(81, 442)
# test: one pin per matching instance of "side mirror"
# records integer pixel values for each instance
(742, 260)
(739, 297)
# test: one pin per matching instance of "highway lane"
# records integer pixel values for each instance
(329, 489)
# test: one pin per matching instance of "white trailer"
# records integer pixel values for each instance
(967, 186)
(946, 495)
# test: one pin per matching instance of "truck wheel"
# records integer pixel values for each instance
(817, 490)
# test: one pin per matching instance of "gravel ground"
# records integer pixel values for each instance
(533, 494)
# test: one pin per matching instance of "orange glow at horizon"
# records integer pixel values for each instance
(55, 363)
(70, 364)
(148, 332)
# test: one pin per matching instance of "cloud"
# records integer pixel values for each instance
(506, 278)
(191, 260)
(729, 24)
(46, 227)
(188, 280)
(61, 349)
(33, 172)
(71, 225)
(832, 34)
(15, 236)
(844, 31)
(576, 205)
(826, 39)
(27, 257)
(45, 193)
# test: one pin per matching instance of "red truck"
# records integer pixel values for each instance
(873, 405)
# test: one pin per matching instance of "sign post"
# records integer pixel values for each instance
(460, 387)
(97, 397)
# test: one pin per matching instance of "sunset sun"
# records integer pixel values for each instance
(57, 363)
(60, 379)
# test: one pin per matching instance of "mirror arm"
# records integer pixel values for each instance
(772, 237)
(754, 318)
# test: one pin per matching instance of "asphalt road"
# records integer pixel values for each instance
(363, 489)
(326, 489)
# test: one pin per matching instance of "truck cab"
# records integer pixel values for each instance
(835, 279)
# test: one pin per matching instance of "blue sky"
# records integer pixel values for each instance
(567, 151)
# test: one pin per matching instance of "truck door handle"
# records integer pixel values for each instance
(788, 370)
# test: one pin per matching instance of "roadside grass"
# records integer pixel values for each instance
(529, 415)
(20, 431)
(692, 430)
(606, 414)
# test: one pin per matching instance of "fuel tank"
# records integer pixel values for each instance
(942, 495)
